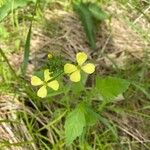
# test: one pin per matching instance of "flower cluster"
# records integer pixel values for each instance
(74, 71)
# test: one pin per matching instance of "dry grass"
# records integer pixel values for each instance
(12, 130)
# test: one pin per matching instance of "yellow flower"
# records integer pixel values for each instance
(50, 56)
(74, 71)
(36, 81)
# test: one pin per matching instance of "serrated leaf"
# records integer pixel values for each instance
(111, 87)
(82, 116)
(97, 12)
(74, 125)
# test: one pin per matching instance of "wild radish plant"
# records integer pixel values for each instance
(84, 114)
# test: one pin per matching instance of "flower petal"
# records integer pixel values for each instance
(89, 68)
(81, 57)
(36, 81)
(69, 68)
(54, 85)
(75, 76)
(42, 92)
(47, 75)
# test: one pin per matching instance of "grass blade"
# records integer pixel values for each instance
(26, 52)
(87, 22)
(142, 89)
(7, 61)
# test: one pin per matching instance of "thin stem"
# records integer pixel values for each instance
(7, 61)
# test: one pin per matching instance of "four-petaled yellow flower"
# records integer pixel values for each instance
(74, 71)
(36, 81)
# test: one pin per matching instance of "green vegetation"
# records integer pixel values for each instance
(74, 75)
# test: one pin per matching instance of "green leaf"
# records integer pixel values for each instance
(75, 122)
(82, 116)
(26, 51)
(87, 22)
(90, 115)
(111, 87)
(97, 12)
(10, 5)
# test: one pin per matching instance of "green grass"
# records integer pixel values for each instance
(111, 125)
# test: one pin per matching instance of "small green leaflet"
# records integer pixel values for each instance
(79, 118)
(111, 87)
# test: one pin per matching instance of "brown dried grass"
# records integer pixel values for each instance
(13, 131)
